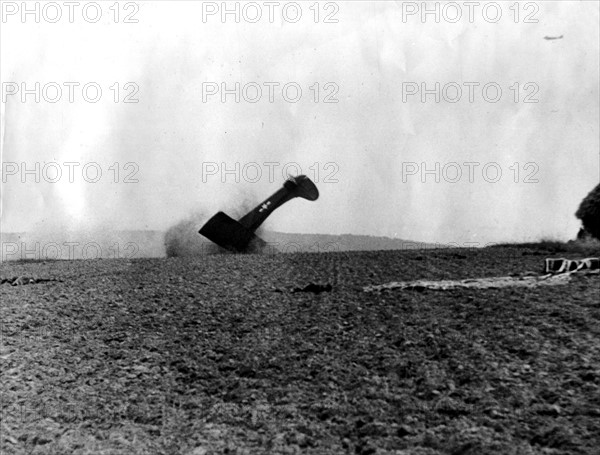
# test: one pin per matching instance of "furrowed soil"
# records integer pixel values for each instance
(217, 354)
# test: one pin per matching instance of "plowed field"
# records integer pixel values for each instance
(224, 354)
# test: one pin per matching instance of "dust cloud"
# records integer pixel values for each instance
(182, 239)
(386, 164)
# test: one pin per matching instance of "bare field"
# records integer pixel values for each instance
(218, 355)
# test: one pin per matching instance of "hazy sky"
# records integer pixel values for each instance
(509, 166)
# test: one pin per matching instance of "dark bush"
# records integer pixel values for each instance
(589, 212)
